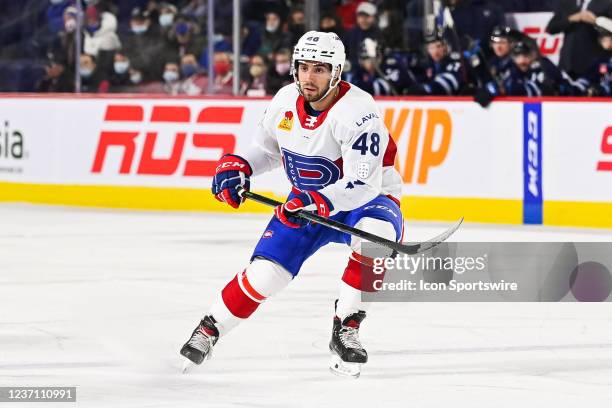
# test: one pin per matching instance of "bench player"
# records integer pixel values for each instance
(337, 153)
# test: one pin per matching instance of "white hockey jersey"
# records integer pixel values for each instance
(345, 153)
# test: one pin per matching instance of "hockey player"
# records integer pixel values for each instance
(598, 78)
(501, 43)
(336, 152)
(443, 72)
(534, 75)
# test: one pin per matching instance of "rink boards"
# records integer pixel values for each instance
(546, 161)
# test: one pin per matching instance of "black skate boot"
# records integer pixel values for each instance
(200, 344)
(347, 353)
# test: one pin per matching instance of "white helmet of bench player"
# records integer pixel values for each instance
(321, 47)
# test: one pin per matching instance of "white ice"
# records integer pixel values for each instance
(103, 300)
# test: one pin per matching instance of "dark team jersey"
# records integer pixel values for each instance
(543, 78)
(400, 69)
(598, 78)
(500, 67)
(444, 77)
(371, 82)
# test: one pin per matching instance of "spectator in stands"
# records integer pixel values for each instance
(365, 28)
(92, 79)
(194, 81)
(255, 82)
(330, 23)
(100, 32)
(367, 74)
(273, 37)
(142, 44)
(346, 10)
(296, 24)
(167, 15)
(279, 75)
(184, 38)
(58, 77)
(251, 39)
(119, 79)
(64, 41)
(171, 77)
(442, 73)
(55, 15)
(224, 78)
(576, 19)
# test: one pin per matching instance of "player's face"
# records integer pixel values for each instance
(436, 50)
(314, 79)
(523, 61)
(501, 47)
(606, 42)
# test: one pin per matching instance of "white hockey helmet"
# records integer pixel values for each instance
(320, 47)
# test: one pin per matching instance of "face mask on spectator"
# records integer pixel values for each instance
(256, 70)
(70, 25)
(85, 72)
(189, 69)
(221, 68)
(166, 20)
(171, 76)
(283, 67)
(93, 27)
(272, 27)
(139, 29)
(136, 77)
(121, 67)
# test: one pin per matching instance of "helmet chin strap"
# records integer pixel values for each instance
(330, 87)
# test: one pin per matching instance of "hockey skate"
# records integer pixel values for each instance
(347, 353)
(199, 346)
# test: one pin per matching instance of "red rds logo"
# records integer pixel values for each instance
(131, 120)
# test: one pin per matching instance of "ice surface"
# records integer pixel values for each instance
(103, 300)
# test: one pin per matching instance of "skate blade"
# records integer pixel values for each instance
(344, 369)
(188, 366)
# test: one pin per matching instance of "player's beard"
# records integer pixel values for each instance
(313, 97)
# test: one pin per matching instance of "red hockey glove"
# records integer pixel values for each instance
(232, 171)
(308, 201)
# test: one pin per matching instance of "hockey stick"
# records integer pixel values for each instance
(409, 249)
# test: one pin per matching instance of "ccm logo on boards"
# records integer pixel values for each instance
(606, 149)
(130, 119)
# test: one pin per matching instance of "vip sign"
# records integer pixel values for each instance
(132, 119)
(429, 132)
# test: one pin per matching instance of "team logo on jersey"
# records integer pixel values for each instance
(268, 234)
(363, 170)
(311, 121)
(310, 172)
(287, 122)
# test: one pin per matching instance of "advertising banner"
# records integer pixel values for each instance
(515, 162)
(534, 25)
